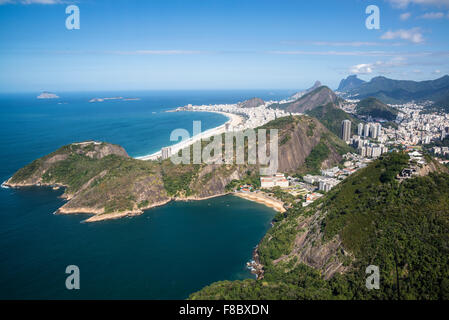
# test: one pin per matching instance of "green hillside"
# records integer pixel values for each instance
(403, 228)
(332, 117)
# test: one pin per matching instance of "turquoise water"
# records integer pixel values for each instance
(166, 253)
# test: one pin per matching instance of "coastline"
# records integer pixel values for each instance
(233, 121)
(100, 215)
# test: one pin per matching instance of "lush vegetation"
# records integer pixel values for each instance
(376, 109)
(331, 117)
(177, 178)
(318, 154)
(401, 227)
(251, 178)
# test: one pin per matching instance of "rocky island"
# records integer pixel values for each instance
(47, 95)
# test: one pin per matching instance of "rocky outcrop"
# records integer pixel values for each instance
(318, 97)
(310, 248)
(304, 136)
(350, 83)
(213, 179)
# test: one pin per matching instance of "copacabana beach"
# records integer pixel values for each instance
(233, 121)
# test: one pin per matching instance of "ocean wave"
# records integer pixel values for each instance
(4, 186)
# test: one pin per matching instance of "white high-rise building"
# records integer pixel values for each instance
(346, 130)
(360, 129)
(366, 130)
(373, 132)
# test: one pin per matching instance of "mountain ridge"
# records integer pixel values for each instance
(318, 97)
(351, 82)
(400, 91)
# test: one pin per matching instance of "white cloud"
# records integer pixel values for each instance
(157, 52)
(413, 35)
(405, 16)
(340, 43)
(346, 44)
(405, 3)
(30, 2)
(364, 68)
(432, 15)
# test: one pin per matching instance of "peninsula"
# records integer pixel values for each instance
(101, 179)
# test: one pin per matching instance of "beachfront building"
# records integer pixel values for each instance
(277, 180)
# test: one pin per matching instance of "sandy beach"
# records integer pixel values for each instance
(262, 198)
(234, 121)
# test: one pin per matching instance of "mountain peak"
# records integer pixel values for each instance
(317, 97)
(299, 94)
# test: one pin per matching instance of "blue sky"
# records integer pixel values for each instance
(208, 44)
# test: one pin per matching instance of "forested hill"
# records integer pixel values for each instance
(331, 117)
(322, 252)
(376, 109)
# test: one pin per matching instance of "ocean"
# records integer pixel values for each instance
(166, 253)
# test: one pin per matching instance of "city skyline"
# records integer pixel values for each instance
(158, 45)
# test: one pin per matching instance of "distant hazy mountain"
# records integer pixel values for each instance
(350, 83)
(251, 103)
(376, 109)
(398, 91)
(318, 97)
(299, 94)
